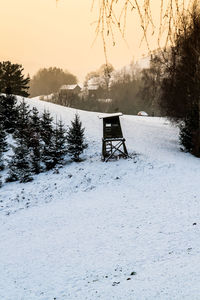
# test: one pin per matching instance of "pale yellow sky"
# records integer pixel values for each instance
(38, 34)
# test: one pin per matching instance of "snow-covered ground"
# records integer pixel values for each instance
(126, 229)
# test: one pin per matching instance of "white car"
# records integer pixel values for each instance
(142, 113)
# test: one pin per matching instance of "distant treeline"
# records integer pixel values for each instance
(129, 90)
(47, 81)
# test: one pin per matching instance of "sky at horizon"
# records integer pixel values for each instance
(39, 33)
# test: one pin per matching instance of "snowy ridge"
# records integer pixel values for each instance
(126, 229)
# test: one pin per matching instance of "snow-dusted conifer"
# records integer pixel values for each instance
(23, 123)
(187, 128)
(19, 166)
(1, 161)
(46, 126)
(47, 134)
(3, 145)
(35, 119)
(35, 144)
(8, 112)
(59, 143)
(3, 142)
(75, 139)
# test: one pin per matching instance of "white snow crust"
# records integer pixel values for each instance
(81, 234)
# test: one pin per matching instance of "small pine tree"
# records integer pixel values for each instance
(3, 145)
(188, 128)
(8, 112)
(23, 123)
(35, 141)
(75, 139)
(3, 148)
(3, 142)
(19, 166)
(47, 134)
(35, 152)
(1, 161)
(46, 126)
(35, 119)
(185, 136)
(13, 174)
(59, 143)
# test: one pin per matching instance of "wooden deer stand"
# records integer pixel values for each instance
(113, 142)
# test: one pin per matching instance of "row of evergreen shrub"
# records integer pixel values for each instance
(38, 144)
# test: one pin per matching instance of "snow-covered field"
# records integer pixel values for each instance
(126, 229)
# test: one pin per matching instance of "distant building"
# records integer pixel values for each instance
(105, 100)
(69, 93)
(95, 91)
(70, 89)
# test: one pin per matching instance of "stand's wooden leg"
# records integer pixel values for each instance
(103, 150)
(125, 149)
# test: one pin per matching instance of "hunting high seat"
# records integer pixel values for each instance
(113, 142)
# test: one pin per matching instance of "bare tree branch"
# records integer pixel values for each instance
(112, 17)
(109, 21)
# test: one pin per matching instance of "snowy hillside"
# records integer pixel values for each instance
(126, 229)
